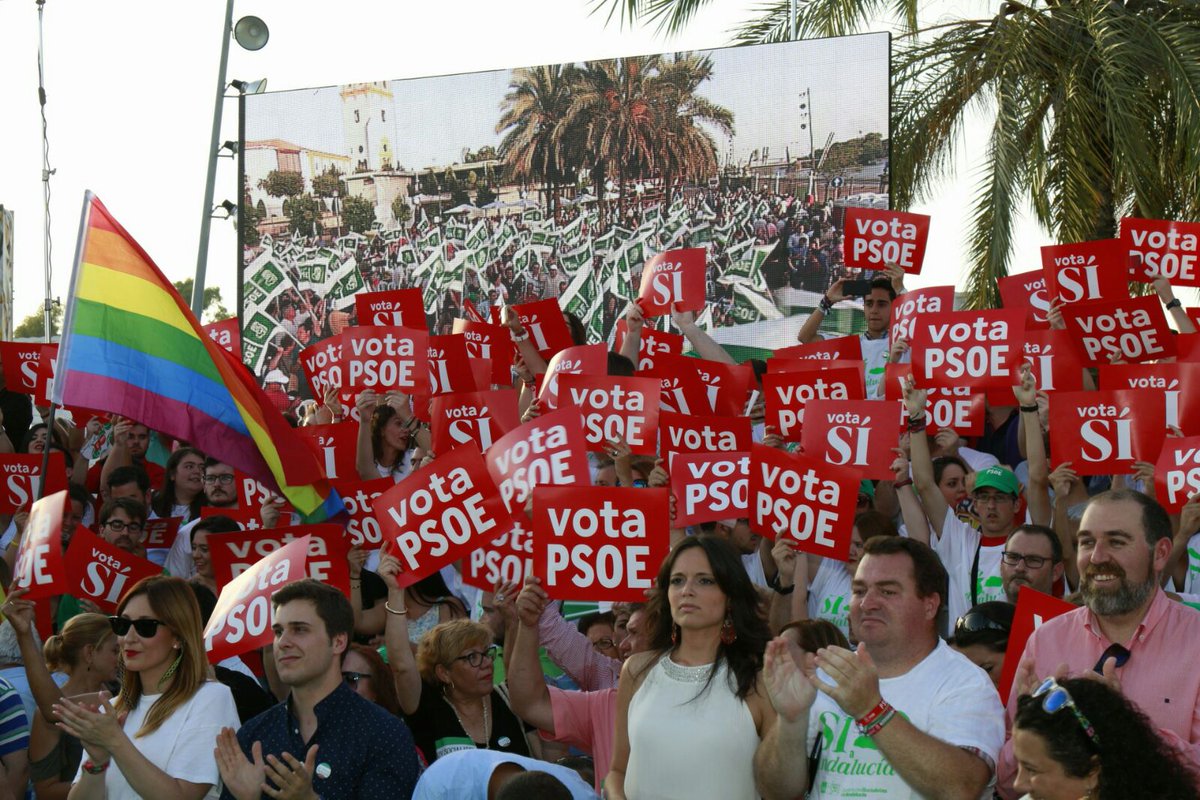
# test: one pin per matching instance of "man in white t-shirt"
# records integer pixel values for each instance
(905, 717)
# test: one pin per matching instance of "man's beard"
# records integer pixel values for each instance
(1122, 599)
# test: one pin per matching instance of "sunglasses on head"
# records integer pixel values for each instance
(146, 628)
(977, 622)
(1055, 698)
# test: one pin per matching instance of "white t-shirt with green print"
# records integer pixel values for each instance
(956, 547)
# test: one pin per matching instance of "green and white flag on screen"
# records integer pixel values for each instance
(749, 305)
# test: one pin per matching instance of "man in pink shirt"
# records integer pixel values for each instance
(581, 719)
(1128, 631)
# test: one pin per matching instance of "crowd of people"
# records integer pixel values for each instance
(750, 670)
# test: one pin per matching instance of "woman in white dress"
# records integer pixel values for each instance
(691, 711)
(156, 738)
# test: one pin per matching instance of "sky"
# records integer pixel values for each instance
(131, 84)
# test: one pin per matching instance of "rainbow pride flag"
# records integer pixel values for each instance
(131, 346)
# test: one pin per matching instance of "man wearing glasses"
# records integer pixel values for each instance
(220, 489)
(122, 524)
(1032, 557)
(1128, 632)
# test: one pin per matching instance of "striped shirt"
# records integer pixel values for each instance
(14, 725)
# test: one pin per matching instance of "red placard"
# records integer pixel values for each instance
(1177, 473)
(959, 408)
(1033, 609)
(1134, 330)
(679, 392)
(382, 358)
(23, 478)
(395, 308)
(709, 486)
(725, 385)
(838, 348)
(323, 367)
(227, 334)
(673, 280)
(101, 572)
(1104, 432)
(160, 532)
(441, 512)
(335, 445)
(508, 558)
(652, 344)
(979, 349)
(683, 433)
(786, 393)
(492, 342)
(547, 327)
(241, 620)
(599, 543)
(853, 433)
(1055, 362)
(614, 408)
(547, 450)
(1179, 385)
(20, 364)
(1081, 272)
(359, 497)
(582, 359)
(876, 237)
(450, 365)
(911, 305)
(234, 553)
(1162, 247)
(1027, 291)
(473, 417)
(39, 564)
(804, 499)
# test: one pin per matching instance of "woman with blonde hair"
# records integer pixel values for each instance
(156, 738)
(86, 650)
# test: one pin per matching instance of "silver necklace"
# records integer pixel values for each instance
(487, 721)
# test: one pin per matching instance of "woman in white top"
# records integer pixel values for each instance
(691, 710)
(156, 738)
(389, 436)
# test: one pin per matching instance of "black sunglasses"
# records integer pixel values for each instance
(1117, 651)
(353, 678)
(977, 622)
(146, 628)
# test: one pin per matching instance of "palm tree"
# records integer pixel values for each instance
(532, 113)
(686, 150)
(1097, 108)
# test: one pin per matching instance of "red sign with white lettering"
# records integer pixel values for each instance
(614, 408)
(101, 572)
(786, 393)
(227, 334)
(1056, 365)
(909, 306)
(709, 486)
(1177, 473)
(852, 433)
(683, 433)
(1104, 432)
(23, 479)
(508, 558)
(492, 342)
(959, 408)
(39, 564)
(241, 620)
(1033, 609)
(979, 349)
(1162, 247)
(395, 308)
(1179, 385)
(582, 359)
(160, 533)
(1027, 291)
(876, 237)
(547, 450)
(804, 499)
(441, 512)
(383, 358)
(726, 386)
(679, 392)
(234, 553)
(547, 327)
(839, 348)
(599, 543)
(450, 365)
(335, 447)
(20, 364)
(1081, 272)
(323, 367)
(652, 344)
(1133, 329)
(479, 418)
(359, 497)
(673, 280)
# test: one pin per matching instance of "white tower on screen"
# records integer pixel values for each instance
(368, 125)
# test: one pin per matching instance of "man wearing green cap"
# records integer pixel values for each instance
(973, 556)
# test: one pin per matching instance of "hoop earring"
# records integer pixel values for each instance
(728, 632)
(166, 676)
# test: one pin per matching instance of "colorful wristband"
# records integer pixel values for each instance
(868, 719)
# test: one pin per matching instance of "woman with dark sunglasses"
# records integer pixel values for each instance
(367, 674)
(446, 691)
(1079, 738)
(156, 737)
(981, 635)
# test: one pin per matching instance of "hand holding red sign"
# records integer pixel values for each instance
(1055, 363)
(543, 320)
(441, 512)
(615, 408)
(673, 281)
(241, 620)
(383, 358)
(547, 450)
(1177, 473)
(852, 433)
(877, 237)
(397, 308)
(652, 344)
(1104, 432)
(583, 359)
(1133, 329)
(599, 543)
(804, 499)
(967, 348)
(100, 572)
(39, 565)
(492, 342)
(1161, 247)
(959, 409)
(709, 486)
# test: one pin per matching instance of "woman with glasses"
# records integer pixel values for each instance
(981, 635)
(1080, 738)
(156, 737)
(367, 674)
(446, 691)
